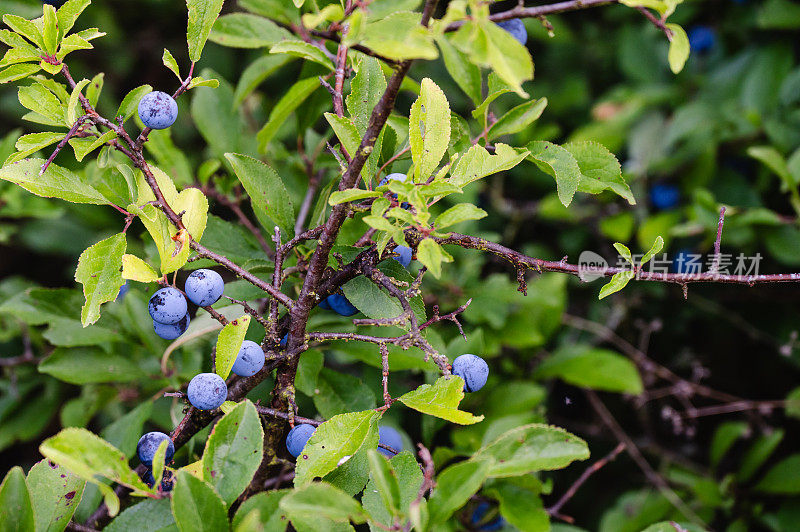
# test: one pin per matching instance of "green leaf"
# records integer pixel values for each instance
(302, 50)
(55, 494)
(329, 13)
(322, 499)
(370, 299)
(441, 400)
(431, 255)
(255, 73)
(271, 202)
(599, 169)
(594, 368)
(95, 88)
(338, 437)
(454, 486)
(518, 118)
(477, 163)
(242, 30)
(558, 163)
(39, 99)
(92, 458)
(399, 36)
(195, 505)
(130, 103)
(234, 451)
(229, 342)
(99, 272)
(531, 448)
(68, 13)
(520, 504)
(408, 476)
(83, 147)
(366, 90)
(428, 129)
(656, 248)
(171, 64)
(88, 365)
(200, 81)
(724, 437)
(783, 478)
(773, 160)
(69, 333)
(50, 29)
(351, 194)
(202, 14)
(385, 479)
(266, 506)
(466, 74)
(72, 107)
(33, 142)
(618, 282)
(338, 393)
(24, 27)
(150, 514)
(291, 100)
(15, 72)
(136, 269)
(488, 45)
(173, 247)
(345, 131)
(56, 182)
(758, 453)
(15, 501)
(678, 48)
(159, 457)
(459, 213)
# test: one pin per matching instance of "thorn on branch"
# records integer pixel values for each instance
(72, 132)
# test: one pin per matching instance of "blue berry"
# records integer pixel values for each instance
(123, 290)
(391, 438)
(701, 39)
(516, 28)
(250, 359)
(340, 305)
(298, 437)
(204, 287)
(207, 391)
(324, 304)
(284, 340)
(158, 110)
(397, 176)
(404, 257)
(473, 369)
(148, 445)
(167, 306)
(664, 196)
(170, 331)
(167, 480)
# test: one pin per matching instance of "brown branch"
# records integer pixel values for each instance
(657, 22)
(633, 451)
(588, 472)
(539, 11)
(718, 241)
(271, 412)
(518, 259)
(72, 131)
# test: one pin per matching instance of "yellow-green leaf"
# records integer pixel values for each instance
(99, 272)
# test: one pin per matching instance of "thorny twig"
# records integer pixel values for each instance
(589, 471)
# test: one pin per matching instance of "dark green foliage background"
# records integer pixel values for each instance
(606, 78)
